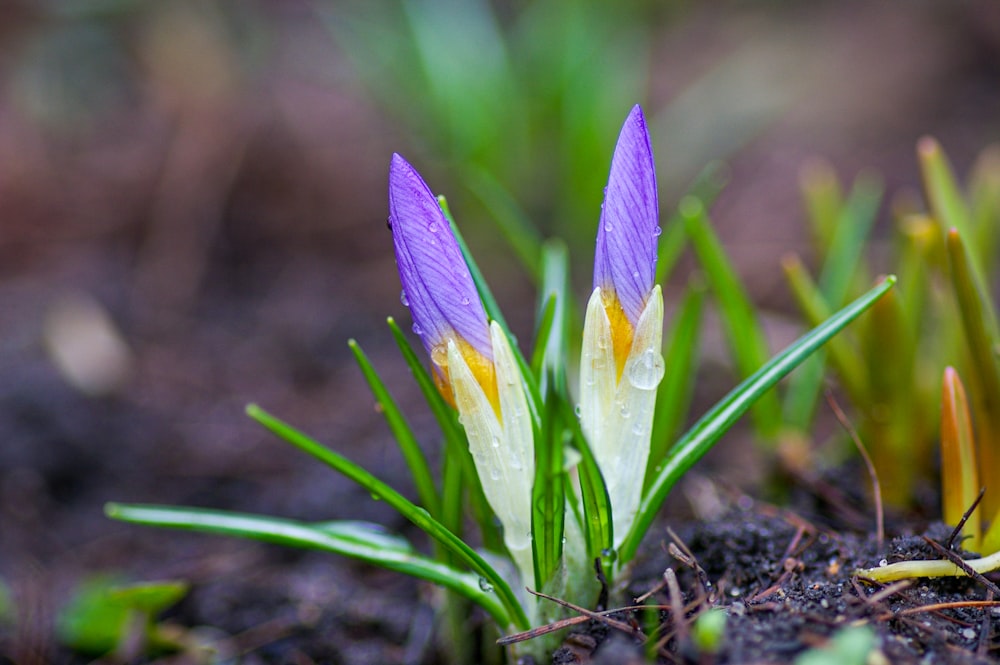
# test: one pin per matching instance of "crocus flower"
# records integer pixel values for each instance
(473, 364)
(621, 364)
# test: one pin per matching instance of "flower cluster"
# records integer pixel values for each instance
(475, 367)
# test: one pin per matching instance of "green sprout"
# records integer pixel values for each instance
(560, 470)
(889, 368)
(852, 645)
(960, 487)
(107, 616)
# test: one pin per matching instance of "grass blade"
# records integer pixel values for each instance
(551, 352)
(841, 268)
(674, 396)
(521, 235)
(456, 450)
(815, 309)
(959, 474)
(402, 433)
(978, 324)
(366, 542)
(597, 525)
(823, 201)
(743, 329)
(707, 431)
(548, 500)
(706, 188)
(418, 516)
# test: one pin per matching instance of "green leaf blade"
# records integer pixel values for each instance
(347, 539)
(418, 516)
(416, 461)
(707, 431)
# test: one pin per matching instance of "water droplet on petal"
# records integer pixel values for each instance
(635, 274)
(465, 301)
(494, 473)
(484, 585)
(607, 227)
(646, 372)
(439, 356)
(417, 330)
(657, 231)
(432, 227)
(496, 441)
(403, 299)
(515, 461)
(624, 411)
(577, 410)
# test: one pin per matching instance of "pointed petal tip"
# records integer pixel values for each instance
(625, 256)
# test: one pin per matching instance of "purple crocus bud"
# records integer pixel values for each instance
(474, 364)
(625, 255)
(621, 364)
(436, 283)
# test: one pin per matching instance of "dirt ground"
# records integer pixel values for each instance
(236, 247)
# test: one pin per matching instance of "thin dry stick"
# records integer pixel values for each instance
(961, 563)
(596, 616)
(890, 590)
(876, 486)
(935, 607)
(676, 602)
(984, 631)
(965, 518)
(586, 615)
(690, 560)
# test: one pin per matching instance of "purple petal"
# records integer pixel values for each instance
(442, 296)
(625, 255)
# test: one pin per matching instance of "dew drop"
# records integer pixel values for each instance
(624, 411)
(577, 410)
(496, 441)
(403, 299)
(607, 227)
(417, 330)
(609, 553)
(494, 473)
(635, 274)
(484, 585)
(515, 461)
(465, 301)
(439, 355)
(647, 370)
(657, 231)
(432, 227)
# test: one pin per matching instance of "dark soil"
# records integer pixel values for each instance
(786, 586)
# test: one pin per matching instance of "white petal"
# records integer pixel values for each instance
(632, 419)
(597, 378)
(502, 452)
(617, 417)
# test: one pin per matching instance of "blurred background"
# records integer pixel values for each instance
(192, 217)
